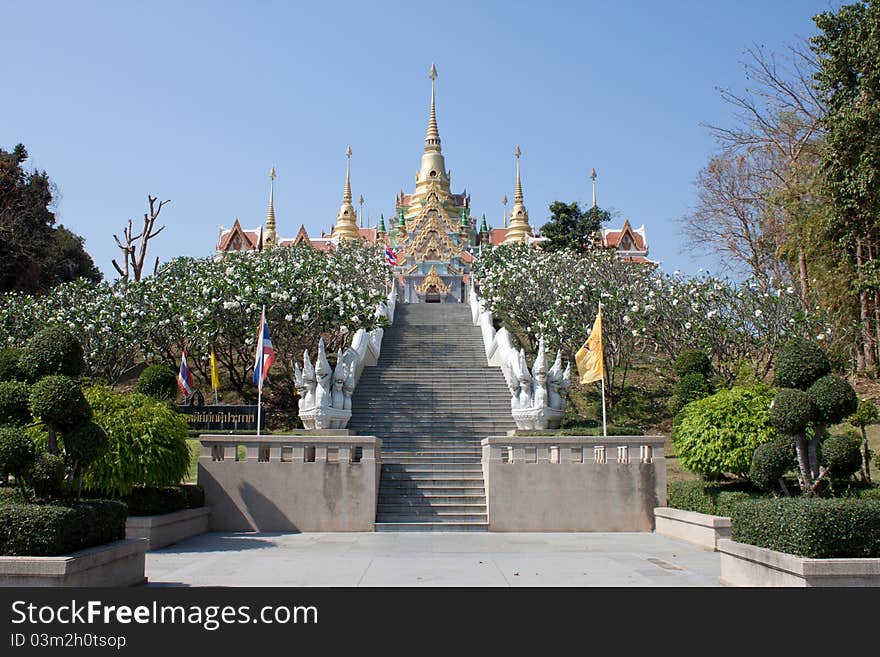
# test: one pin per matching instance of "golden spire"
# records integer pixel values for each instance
(346, 218)
(270, 237)
(519, 216)
(432, 138)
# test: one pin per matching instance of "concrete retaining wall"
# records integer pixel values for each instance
(291, 483)
(749, 565)
(573, 483)
(168, 528)
(116, 564)
(698, 528)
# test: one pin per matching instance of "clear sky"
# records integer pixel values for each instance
(195, 101)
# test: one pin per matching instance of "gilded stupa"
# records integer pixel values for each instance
(519, 230)
(433, 227)
(346, 227)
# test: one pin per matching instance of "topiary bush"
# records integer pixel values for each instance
(792, 411)
(769, 463)
(810, 527)
(14, 405)
(689, 388)
(714, 498)
(59, 402)
(46, 475)
(833, 398)
(693, 361)
(54, 529)
(799, 363)
(158, 381)
(719, 434)
(9, 369)
(147, 443)
(842, 455)
(54, 350)
(17, 453)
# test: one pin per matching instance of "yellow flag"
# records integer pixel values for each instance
(590, 364)
(215, 375)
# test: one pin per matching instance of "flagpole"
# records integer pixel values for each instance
(262, 365)
(604, 426)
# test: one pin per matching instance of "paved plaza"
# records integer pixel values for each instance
(432, 559)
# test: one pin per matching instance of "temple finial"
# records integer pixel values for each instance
(346, 194)
(593, 178)
(271, 236)
(518, 195)
(432, 138)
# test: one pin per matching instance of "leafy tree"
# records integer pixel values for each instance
(34, 254)
(571, 227)
(848, 51)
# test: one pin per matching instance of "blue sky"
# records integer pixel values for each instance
(196, 101)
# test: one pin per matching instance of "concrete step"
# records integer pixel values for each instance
(432, 498)
(462, 480)
(435, 517)
(432, 526)
(432, 507)
(428, 466)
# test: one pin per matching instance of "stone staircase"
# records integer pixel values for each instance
(431, 399)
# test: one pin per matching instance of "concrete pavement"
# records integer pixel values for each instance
(432, 559)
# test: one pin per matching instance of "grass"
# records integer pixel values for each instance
(195, 449)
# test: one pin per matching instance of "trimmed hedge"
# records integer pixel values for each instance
(769, 463)
(9, 369)
(799, 363)
(693, 361)
(713, 498)
(156, 500)
(45, 530)
(842, 455)
(14, 404)
(810, 527)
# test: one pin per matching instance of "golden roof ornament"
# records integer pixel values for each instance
(432, 137)
(593, 178)
(433, 280)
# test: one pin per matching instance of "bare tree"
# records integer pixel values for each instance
(780, 113)
(134, 247)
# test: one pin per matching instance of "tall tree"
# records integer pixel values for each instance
(34, 254)
(848, 51)
(570, 226)
(134, 247)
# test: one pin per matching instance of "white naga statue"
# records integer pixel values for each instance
(537, 398)
(324, 393)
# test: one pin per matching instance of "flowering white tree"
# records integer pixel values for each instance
(645, 311)
(198, 304)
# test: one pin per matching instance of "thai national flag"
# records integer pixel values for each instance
(184, 376)
(390, 256)
(265, 355)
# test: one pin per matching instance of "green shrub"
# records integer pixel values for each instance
(726, 500)
(799, 363)
(792, 411)
(54, 350)
(11, 495)
(872, 493)
(866, 413)
(54, 529)
(834, 399)
(689, 388)
(810, 527)
(17, 451)
(693, 361)
(769, 463)
(157, 381)
(578, 423)
(9, 369)
(46, 475)
(719, 434)
(59, 402)
(842, 455)
(155, 500)
(14, 407)
(147, 443)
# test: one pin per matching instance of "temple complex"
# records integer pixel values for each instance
(432, 229)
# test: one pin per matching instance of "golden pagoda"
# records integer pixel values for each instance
(519, 229)
(346, 219)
